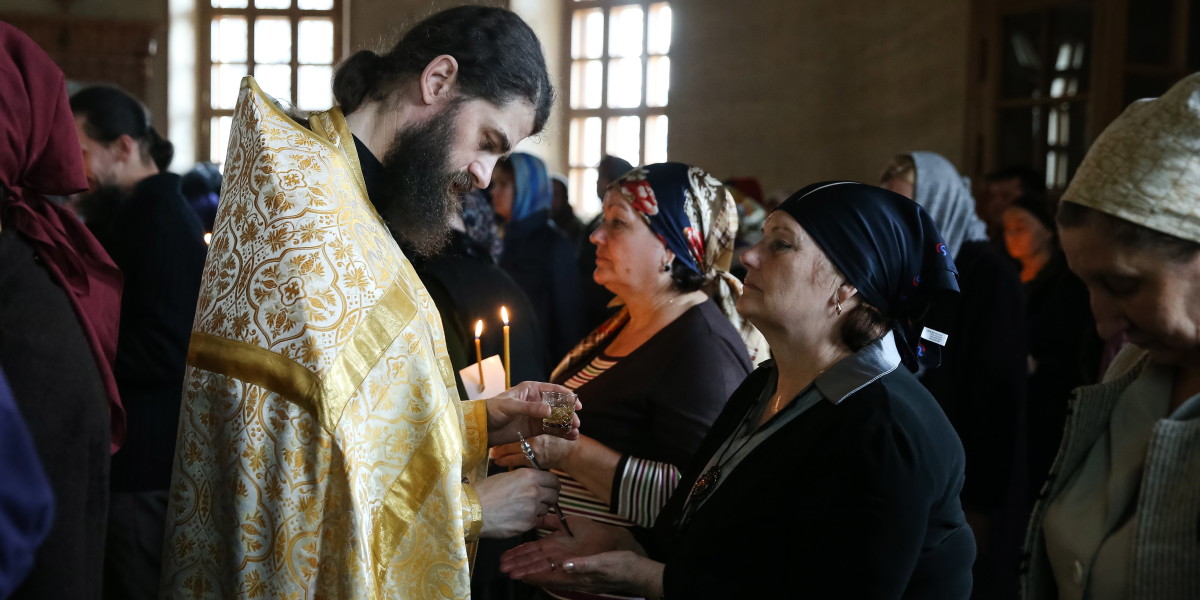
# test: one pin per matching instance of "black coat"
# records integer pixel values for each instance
(157, 240)
(1064, 349)
(467, 286)
(981, 382)
(851, 500)
(542, 261)
(61, 395)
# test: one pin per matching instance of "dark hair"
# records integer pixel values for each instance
(1031, 180)
(613, 167)
(505, 164)
(683, 279)
(863, 325)
(109, 113)
(1036, 205)
(499, 60)
(1126, 233)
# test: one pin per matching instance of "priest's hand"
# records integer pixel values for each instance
(520, 408)
(513, 502)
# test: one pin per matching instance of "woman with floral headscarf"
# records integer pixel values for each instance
(656, 374)
(831, 472)
(538, 255)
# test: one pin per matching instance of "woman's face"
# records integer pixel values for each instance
(900, 185)
(1024, 235)
(1137, 292)
(503, 191)
(789, 280)
(628, 254)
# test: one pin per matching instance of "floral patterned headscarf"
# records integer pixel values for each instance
(696, 218)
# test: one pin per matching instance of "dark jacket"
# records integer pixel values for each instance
(981, 382)
(58, 388)
(851, 500)
(1064, 349)
(158, 242)
(466, 286)
(542, 261)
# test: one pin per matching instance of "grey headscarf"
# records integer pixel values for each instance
(941, 192)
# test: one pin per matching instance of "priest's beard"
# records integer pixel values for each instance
(421, 190)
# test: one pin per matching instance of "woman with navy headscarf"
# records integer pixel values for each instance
(538, 255)
(832, 472)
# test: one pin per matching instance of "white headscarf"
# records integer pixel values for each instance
(941, 192)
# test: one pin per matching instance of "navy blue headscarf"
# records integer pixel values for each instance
(888, 247)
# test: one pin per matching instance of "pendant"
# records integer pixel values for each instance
(705, 484)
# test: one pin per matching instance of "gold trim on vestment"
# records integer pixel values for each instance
(255, 365)
(370, 341)
(409, 490)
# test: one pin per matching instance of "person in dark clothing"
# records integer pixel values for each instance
(1064, 348)
(60, 299)
(596, 298)
(202, 188)
(1000, 189)
(981, 382)
(831, 472)
(562, 211)
(467, 286)
(157, 240)
(536, 253)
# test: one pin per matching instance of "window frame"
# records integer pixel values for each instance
(205, 112)
(605, 112)
(1110, 68)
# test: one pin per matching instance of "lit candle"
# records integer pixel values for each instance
(478, 352)
(507, 358)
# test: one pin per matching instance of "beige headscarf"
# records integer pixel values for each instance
(1145, 167)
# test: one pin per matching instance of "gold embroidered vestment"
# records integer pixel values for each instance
(323, 450)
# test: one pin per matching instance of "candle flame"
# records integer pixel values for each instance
(504, 314)
(478, 328)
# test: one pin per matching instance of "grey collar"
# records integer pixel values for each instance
(859, 369)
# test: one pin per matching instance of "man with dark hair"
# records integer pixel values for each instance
(137, 211)
(323, 450)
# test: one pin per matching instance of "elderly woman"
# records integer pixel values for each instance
(1122, 504)
(831, 471)
(655, 375)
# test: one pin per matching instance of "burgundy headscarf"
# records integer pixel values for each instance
(40, 154)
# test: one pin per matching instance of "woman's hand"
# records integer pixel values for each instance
(619, 571)
(520, 408)
(600, 558)
(552, 452)
(548, 553)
